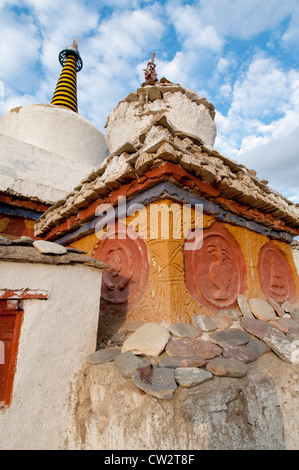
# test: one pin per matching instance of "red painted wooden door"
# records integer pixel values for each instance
(10, 324)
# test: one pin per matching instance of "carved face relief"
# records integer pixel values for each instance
(275, 274)
(215, 273)
(125, 283)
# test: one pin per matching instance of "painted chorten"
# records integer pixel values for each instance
(187, 236)
(161, 162)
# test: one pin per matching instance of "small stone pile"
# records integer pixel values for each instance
(159, 359)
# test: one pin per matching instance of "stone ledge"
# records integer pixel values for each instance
(234, 181)
(26, 254)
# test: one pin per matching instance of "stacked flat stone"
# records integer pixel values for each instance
(159, 359)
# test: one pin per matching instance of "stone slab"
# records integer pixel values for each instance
(222, 320)
(162, 385)
(257, 346)
(49, 248)
(261, 309)
(189, 347)
(240, 353)
(191, 376)
(259, 328)
(288, 307)
(127, 363)
(231, 313)
(24, 241)
(5, 241)
(287, 350)
(175, 361)
(185, 330)
(244, 306)
(150, 339)
(285, 324)
(227, 368)
(229, 337)
(278, 309)
(204, 323)
(103, 355)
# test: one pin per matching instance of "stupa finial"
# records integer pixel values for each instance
(66, 90)
(150, 73)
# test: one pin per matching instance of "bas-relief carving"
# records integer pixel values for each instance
(156, 292)
(275, 274)
(166, 300)
(123, 285)
(215, 273)
(160, 281)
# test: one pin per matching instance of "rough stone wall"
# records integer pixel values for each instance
(185, 109)
(259, 411)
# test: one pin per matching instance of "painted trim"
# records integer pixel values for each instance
(23, 294)
(168, 190)
(15, 211)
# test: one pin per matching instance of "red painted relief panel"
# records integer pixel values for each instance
(125, 284)
(275, 274)
(10, 324)
(215, 273)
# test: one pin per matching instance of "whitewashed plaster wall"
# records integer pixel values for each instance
(56, 337)
(129, 118)
(37, 173)
(58, 130)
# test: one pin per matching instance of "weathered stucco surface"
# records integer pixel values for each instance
(259, 411)
(60, 131)
(184, 108)
(56, 336)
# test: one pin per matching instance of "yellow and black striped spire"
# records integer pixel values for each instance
(66, 90)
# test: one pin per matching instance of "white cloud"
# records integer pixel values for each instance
(262, 90)
(19, 50)
(192, 31)
(271, 147)
(111, 56)
(225, 90)
(277, 161)
(290, 37)
(127, 34)
(223, 65)
(237, 18)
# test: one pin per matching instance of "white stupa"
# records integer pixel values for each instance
(184, 108)
(46, 149)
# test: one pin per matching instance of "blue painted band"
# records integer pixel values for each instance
(19, 212)
(169, 190)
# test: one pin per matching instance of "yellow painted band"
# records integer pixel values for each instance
(65, 104)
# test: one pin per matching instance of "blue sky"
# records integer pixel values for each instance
(242, 56)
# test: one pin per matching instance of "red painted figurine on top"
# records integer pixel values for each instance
(150, 73)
